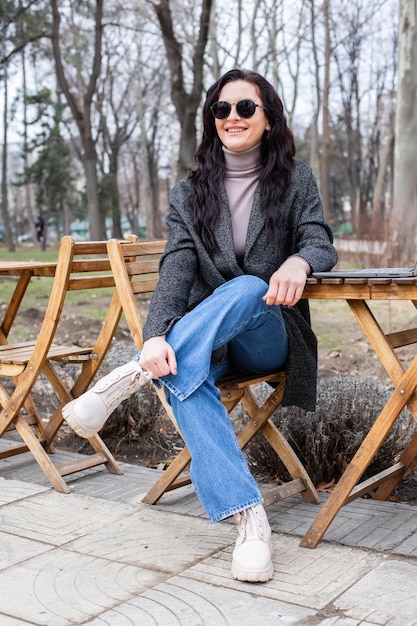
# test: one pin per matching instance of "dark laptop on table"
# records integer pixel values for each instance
(370, 272)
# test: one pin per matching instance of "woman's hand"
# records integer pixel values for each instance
(286, 285)
(158, 357)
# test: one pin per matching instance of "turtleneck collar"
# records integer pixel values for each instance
(241, 163)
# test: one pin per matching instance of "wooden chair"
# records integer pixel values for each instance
(80, 266)
(135, 266)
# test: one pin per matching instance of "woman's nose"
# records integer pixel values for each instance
(233, 112)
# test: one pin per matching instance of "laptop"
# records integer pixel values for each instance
(370, 272)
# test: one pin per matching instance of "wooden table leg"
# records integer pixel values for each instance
(363, 456)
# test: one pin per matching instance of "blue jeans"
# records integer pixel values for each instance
(234, 315)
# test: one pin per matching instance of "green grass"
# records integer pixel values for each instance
(94, 303)
(29, 253)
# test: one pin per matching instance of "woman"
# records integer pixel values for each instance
(246, 227)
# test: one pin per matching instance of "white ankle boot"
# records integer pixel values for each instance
(88, 413)
(253, 551)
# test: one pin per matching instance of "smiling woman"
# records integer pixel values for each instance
(246, 227)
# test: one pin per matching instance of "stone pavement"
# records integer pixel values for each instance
(98, 556)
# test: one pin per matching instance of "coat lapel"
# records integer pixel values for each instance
(256, 222)
(223, 233)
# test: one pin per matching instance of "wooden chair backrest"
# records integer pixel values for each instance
(80, 266)
(135, 266)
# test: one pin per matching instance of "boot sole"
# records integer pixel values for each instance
(254, 576)
(71, 419)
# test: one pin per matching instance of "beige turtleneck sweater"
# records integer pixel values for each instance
(240, 180)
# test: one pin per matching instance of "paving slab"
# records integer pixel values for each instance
(381, 526)
(63, 588)
(13, 490)
(7, 620)
(309, 578)
(55, 518)
(193, 603)
(162, 541)
(386, 595)
(18, 549)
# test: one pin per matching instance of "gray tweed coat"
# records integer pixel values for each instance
(188, 273)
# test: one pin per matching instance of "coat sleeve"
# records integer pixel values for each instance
(312, 235)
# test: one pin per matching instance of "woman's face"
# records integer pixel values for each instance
(238, 133)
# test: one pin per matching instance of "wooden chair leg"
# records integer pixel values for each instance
(167, 481)
(258, 422)
(41, 456)
(291, 461)
(100, 447)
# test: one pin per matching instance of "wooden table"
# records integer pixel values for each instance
(24, 270)
(357, 292)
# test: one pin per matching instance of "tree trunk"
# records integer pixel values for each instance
(28, 210)
(96, 222)
(114, 194)
(403, 222)
(314, 134)
(82, 117)
(188, 141)
(186, 104)
(378, 199)
(4, 186)
(325, 149)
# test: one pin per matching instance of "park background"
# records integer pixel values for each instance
(100, 108)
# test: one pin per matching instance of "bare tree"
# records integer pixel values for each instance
(81, 105)
(4, 186)
(403, 223)
(325, 142)
(118, 119)
(186, 102)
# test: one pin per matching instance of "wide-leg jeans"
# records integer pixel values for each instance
(233, 316)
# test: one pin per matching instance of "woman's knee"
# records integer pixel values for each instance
(248, 284)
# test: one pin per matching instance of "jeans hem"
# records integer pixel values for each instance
(235, 509)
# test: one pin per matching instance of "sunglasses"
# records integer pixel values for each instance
(244, 108)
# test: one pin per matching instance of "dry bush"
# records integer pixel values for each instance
(326, 440)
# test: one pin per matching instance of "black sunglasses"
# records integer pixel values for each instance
(244, 108)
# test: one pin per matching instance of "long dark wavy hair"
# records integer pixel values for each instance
(277, 153)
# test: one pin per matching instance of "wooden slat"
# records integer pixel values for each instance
(90, 265)
(141, 248)
(246, 381)
(90, 282)
(367, 486)
(368, 291)
(22, 355)
(13, 451)
(276, 494)
(81, 464)
(402, 338)
(90, 248)
(146, 266)
(144, 285)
